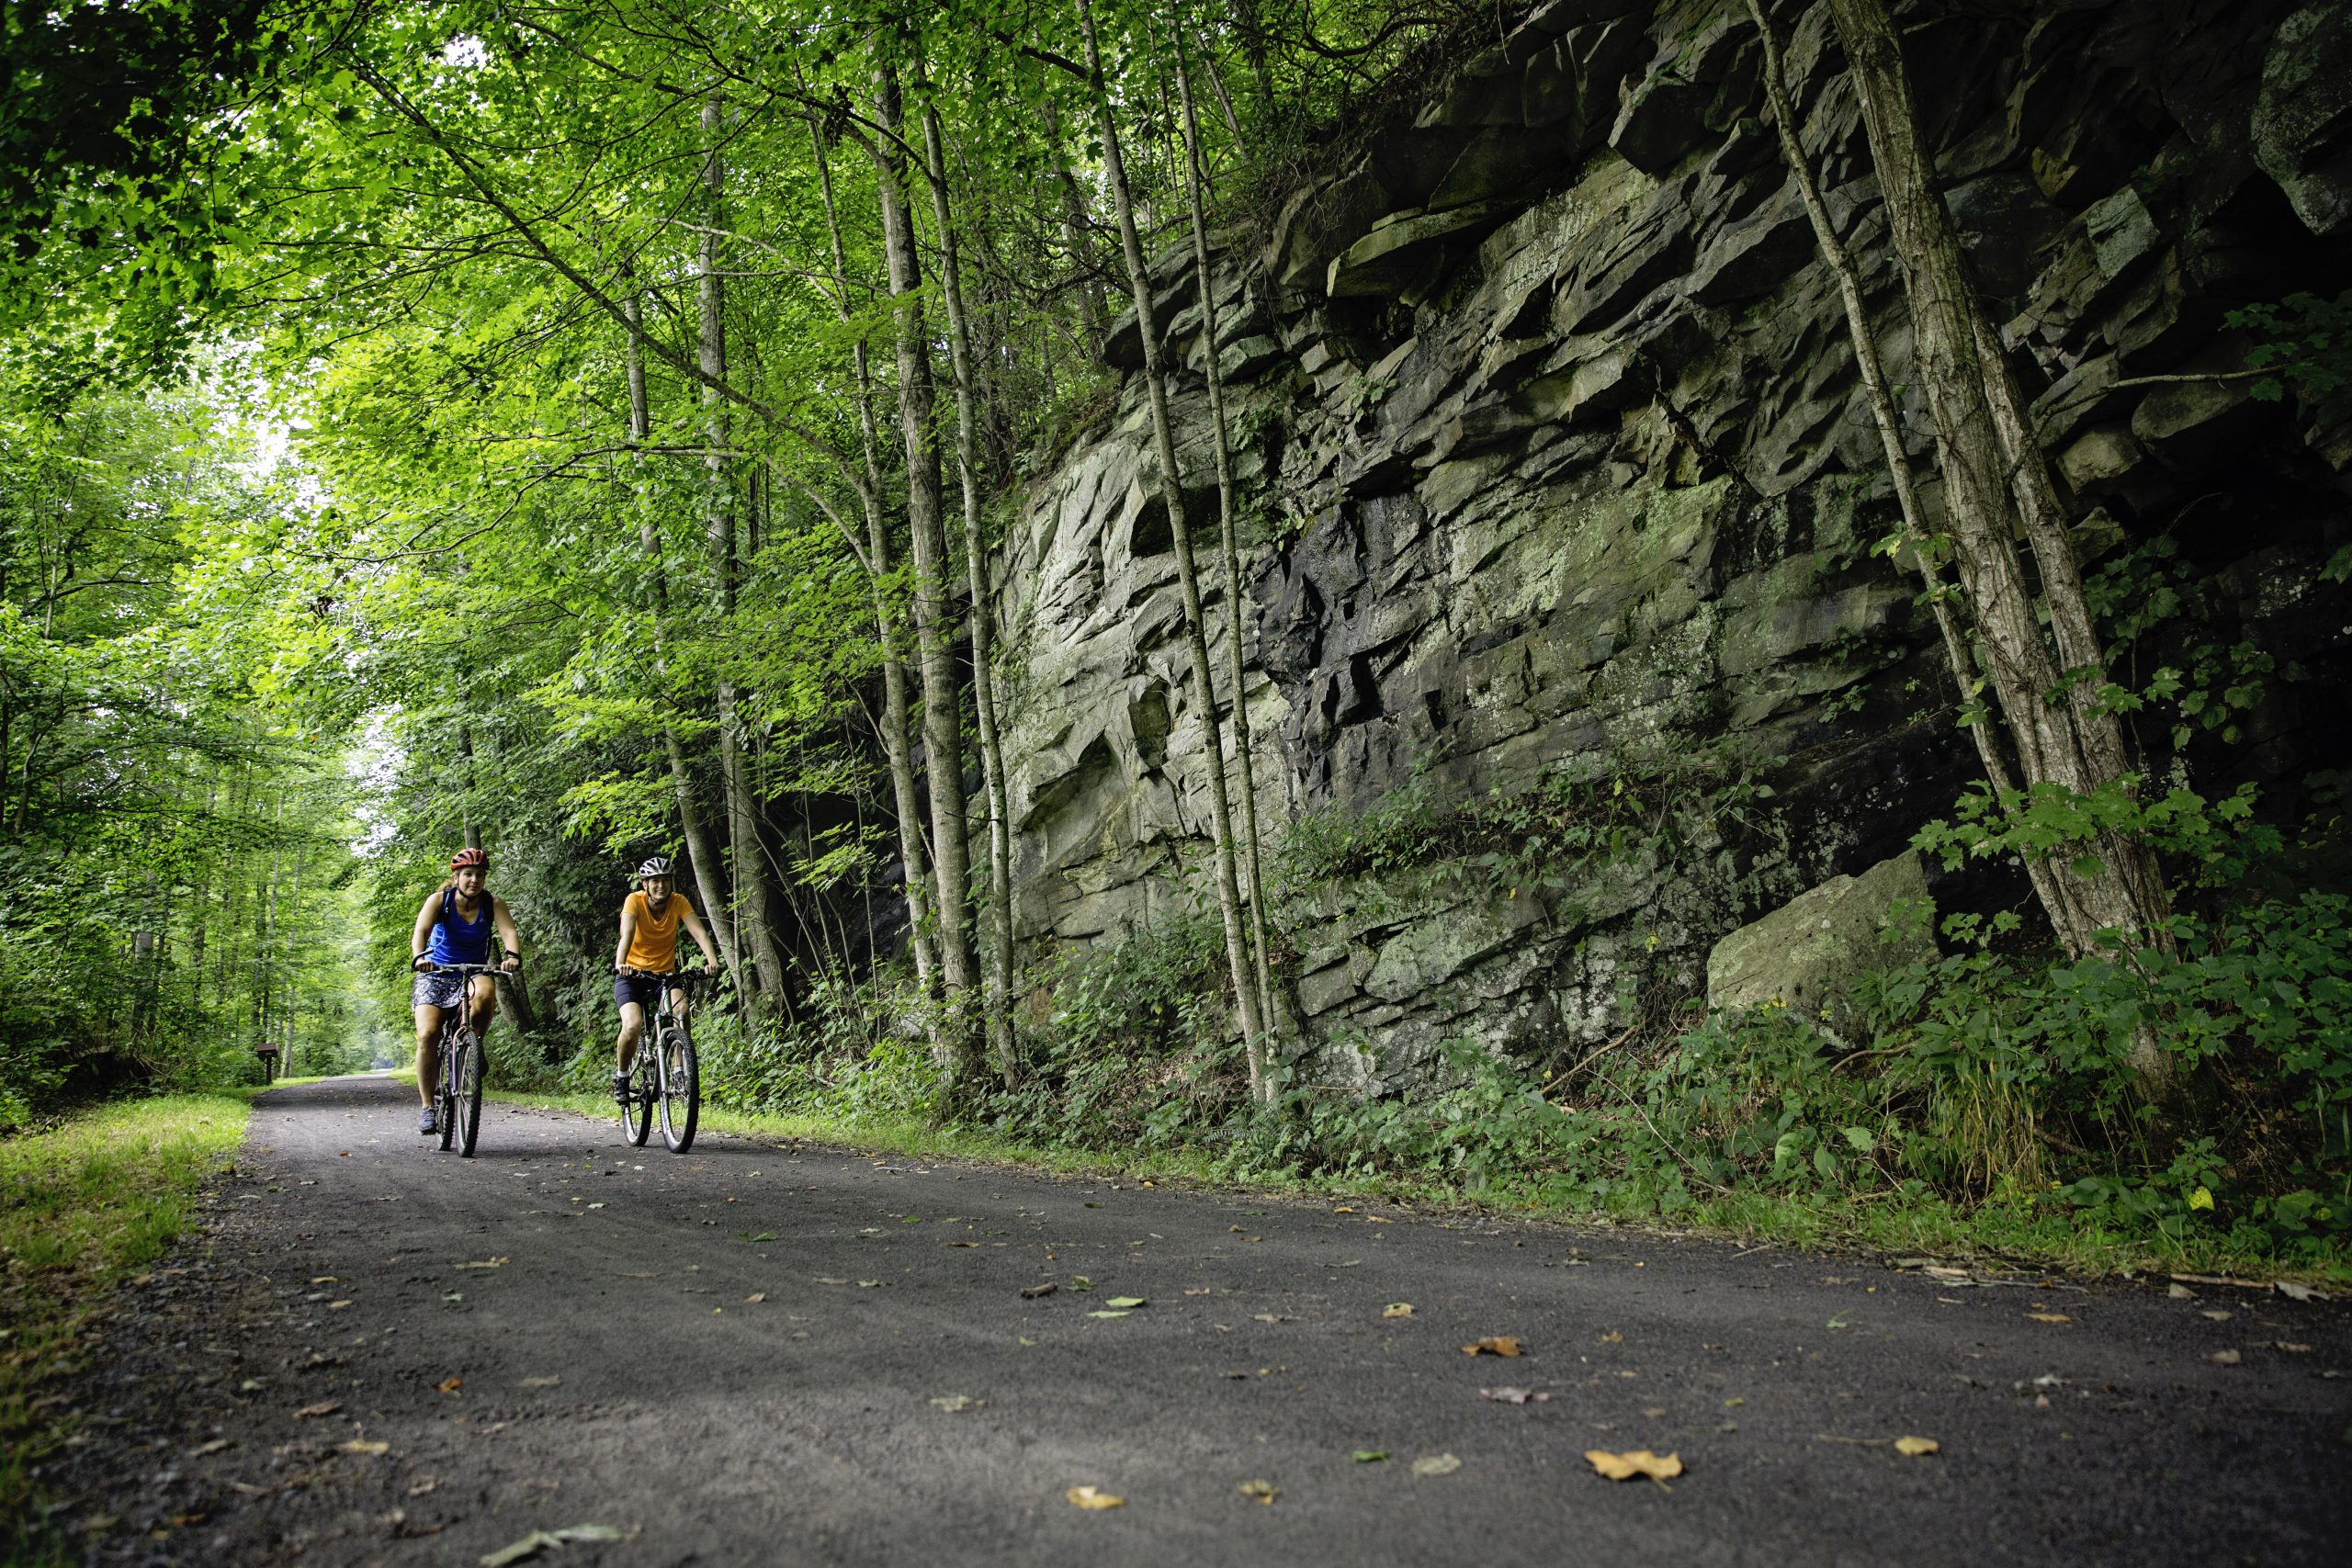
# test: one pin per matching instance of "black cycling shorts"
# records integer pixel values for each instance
(645, 992)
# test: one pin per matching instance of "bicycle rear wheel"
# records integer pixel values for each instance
(644, 1089)
(681, 1088)
(445, 1098)
(468, 1091)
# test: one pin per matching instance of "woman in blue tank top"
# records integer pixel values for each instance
(453, 927)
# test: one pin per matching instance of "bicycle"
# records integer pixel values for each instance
(458, 1103)
(666, 1073)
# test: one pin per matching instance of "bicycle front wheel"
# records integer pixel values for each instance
(681, 1088)
(444, 1093)
(468, 1091)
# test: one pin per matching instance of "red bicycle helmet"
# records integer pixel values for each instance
(465, 858)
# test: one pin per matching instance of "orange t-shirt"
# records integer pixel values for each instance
(653, 945)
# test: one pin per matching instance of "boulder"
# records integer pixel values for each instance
(2302, 119)
(1804, 955)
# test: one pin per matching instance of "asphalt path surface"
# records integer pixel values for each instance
(756, 1353)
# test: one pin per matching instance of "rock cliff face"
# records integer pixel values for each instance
(1555, 465)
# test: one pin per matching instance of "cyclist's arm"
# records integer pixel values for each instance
(692, 922)
(506, 932)
(629, 934)
(427, 916)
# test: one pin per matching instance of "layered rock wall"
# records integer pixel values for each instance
(1556, 462)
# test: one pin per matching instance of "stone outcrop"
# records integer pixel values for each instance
(1804, 955)
(1556, 464)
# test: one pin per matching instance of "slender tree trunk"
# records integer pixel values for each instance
(708, 863)
(996, 936)
(942, 717)
(1075, 225)
(1228, 550)
(898, 746)
(1172, 488)
(1995, 478)
(755, 934)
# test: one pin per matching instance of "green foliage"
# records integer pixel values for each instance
(2306, 340)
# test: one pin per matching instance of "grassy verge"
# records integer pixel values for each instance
(1900, 1228)
(83, 1206)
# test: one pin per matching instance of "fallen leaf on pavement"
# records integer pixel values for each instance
(756, 1296)
(326, 1280)
(1371, 1456)
(422, 1487)
(450, 1385)
(529, 1546)
(1119, 1313)
(2049, 1317)
(541, 1382)
(1398, 1309)
(1640, 1461)
(2180, 1292)
(2289, 1347)
(1080, 1282)
(874, 1284)
(827, 1279)
(1199, 1289)
(1494, 1345)
(1031, 1293)
(956, 1403)
(2214, 1315)
(2224, 1357)
(1268, 1317)
(1265, 1491)
(1513, 1396)
(324, 1407)
(214, 1447)
(361, 1445)
(1914, 1448)
(485, 1263)
(1079, 1497)
(1126, 1303)
(2295, 1293)
(1436, 1464)
(1613, 1337)
(959, 1244)
(337, 1306)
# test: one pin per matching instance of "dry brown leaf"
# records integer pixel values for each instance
(2049, 1317)
(1640, 1461)
(1398, 1309)
(541, 1382)
(756, 1296)
(1092, 1497)
(1031, 1293)
(1436, 1464)
(324, 1407)
(1265, 1491)
(2291, 1346)
(1494, 1345)
(361, 1445)
(450, 1385)
(1914, 1448)
(2224, 1357)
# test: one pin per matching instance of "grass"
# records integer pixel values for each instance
(83, 1206)
(2003, 1233)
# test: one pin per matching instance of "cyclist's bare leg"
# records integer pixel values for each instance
(428, 1053)
(483, 1004)
(632, 1026)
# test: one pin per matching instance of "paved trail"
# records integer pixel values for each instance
(755, 1354)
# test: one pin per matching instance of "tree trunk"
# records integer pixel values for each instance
(1228, 551)
(1995, 479)
(755, 934)
(1171, 489)
(997, 934)
(942, 716)
(1075, 225)
(898, 746)
(709, 872)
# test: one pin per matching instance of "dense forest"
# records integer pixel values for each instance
(1314, 582)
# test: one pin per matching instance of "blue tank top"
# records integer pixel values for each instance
(456, 941)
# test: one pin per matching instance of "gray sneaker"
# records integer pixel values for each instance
(425, 1122)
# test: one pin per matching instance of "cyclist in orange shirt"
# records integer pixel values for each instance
(648, 946)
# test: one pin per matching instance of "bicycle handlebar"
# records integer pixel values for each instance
(466, 970)
(680, 977)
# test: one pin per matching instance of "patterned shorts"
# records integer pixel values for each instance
(437, 991)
